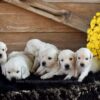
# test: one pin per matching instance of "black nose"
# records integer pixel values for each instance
(43, 63)
(67, 66)
(82, 64)
(0, 55)
(13, 79)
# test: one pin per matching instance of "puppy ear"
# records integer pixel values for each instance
(58, 54)
(6, 49)
(91, 55)
(59, 51)
(59, 63)
(24, 72)
(3, 69)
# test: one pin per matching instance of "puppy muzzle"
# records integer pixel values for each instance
(13, 79)
(82, 64)
(43, 63)
(67, 66)
(0, 55)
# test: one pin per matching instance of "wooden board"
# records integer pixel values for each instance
(16, 41)
(74, 1)
(52, 12)
(18, 26)
(15, 19)
(19, 20)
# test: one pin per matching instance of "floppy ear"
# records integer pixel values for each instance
(58, 53)
(91, 55)
(6, 49)
(24, 72)
(59, 63)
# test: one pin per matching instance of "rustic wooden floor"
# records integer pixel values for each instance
(18, 26)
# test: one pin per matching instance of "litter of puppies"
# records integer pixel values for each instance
(46, 60)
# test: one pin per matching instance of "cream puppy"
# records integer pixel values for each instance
(17, 66)
(66, 60)
(34, 47)
(48, 63)
(3, 54)
(95, 65)
(84, 62)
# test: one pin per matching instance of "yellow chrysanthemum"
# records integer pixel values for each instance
(93, 22)
(93, 37)
(98, 21)
(98, 14)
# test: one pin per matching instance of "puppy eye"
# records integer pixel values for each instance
(70, 58)
(3, 49)
(17, 71)
(86, 58)
(49, 58)
(9, 72)
(79, 58)
(62, 60)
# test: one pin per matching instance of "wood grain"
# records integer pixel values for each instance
(17, 26)
(74, 1)
(65, 17)
(15, 19)
(16, 41)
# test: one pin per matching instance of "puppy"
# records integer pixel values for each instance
(48, 63)
(66, 60)
(83, 62)
(95, 65)
(34, 47)
(3, 54)
(17, 66)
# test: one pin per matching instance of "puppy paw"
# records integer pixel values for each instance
(37, 72)
(44, 77)
(67, 77)
(80, 80)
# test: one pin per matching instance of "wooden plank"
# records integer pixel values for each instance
(16, 41)
(61, 16)
(26, 23)
(14, 19)
(85, 10)
(81, 9)
(74, 1)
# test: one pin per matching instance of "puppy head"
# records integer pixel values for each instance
(3, 50)
(15, 70)
(66, 59)
(83, 57)
(48, 57)
(33, 46)
(12, 71)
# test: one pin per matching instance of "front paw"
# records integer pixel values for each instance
(80, 80)
(37, 72)
(67, 77)
(44, 77)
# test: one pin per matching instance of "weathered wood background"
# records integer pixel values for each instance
(18, 26)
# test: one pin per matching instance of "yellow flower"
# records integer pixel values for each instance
(98, 21)
(93, 35)
(98, 14)
(93, 23)
(89, 31)
(97, 29)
